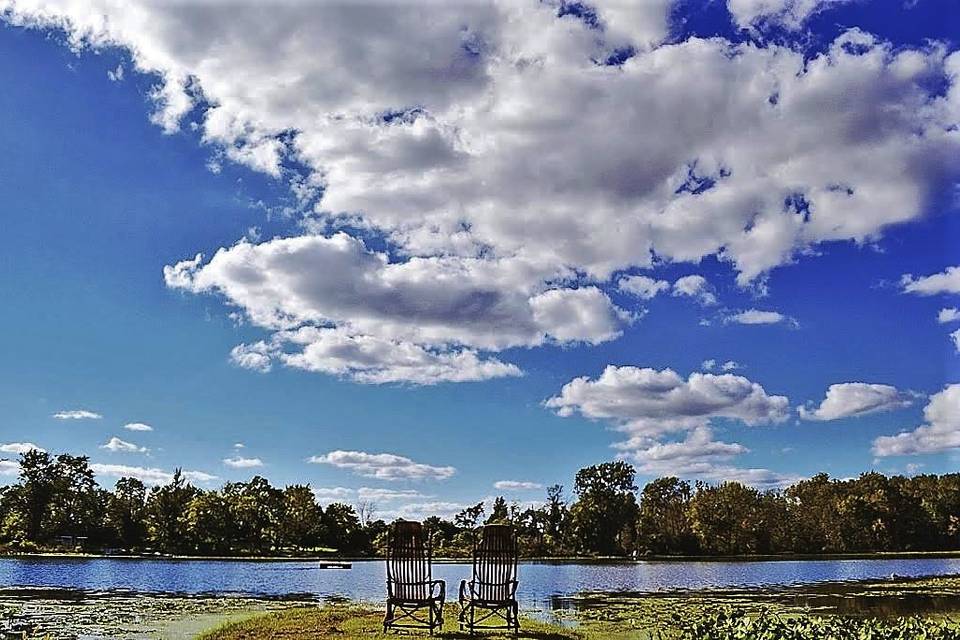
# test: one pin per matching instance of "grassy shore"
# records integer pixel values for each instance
(348, 622)
(880, 610)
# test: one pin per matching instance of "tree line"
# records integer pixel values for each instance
(57, 502)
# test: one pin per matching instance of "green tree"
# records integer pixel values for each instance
(31, 498)
(663, 525)
(727, 518)
(126, 512)
(556, 518)
(342, 527)
(256, 510)
(300, 523)
(75, 506)
(209, 523)
(606, 508)
(499, 513)
(166, 513)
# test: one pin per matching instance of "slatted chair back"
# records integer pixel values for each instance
(495, 563)
(408, 562)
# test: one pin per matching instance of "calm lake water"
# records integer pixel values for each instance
(539, 582)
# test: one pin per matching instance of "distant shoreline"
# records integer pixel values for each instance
(334, 560)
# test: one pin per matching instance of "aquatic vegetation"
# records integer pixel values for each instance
(737, 624)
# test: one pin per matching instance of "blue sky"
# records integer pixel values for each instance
(495, 285)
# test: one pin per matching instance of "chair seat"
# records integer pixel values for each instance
(491, 604)
(415, 601)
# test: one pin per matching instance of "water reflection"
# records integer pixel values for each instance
(541, 583)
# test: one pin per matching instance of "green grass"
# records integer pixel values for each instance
(905, 609)
(346, 622)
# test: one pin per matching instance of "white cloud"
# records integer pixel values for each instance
(239, 462)
(697, 287)
(115, 444)
(373, 360)
(20, 447)
(731, 365)
(387, 495)
(951, 314)
(790, 14)
(9, 468)
(238, 445)
(149, 476)
(484, 137)
(701, 457)
(648, 402)
(648, 405)
(849, 399)
(956, 339)
(326, 495)
(940, 432)
(642, 286)
(255, 357)
(516, 485)
(116, 75)
(386, 466)
(692, 286)
(77, 414)
(756, 316)
(424, 510)
(137, 426)
(419, 321)
(946, 282)
(709, 365)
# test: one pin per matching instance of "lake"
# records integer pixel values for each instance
(540, 582)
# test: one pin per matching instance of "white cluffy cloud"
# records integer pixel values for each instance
(947, 281)
(115, 445)
(503, 165)
(729, 365)
(386, 466)
(77, 414)
(951, 314)
(642, 286)
(516, 485)
(955, 336)
(151, 476)
(239, 462)
(137, 426)
(649, 405)
(9, 467)
(696, 287)
(366, 494)
(423, 320)
(692, 286)
(941, 431)
(790, 14)
(648, 401)
(20, 447)
(326, 495)
(850, 399)
(756, 316)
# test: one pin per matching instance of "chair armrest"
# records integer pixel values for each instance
(463, 591)
(441, 592)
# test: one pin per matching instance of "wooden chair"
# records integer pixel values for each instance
(414, 598)
(489, 599)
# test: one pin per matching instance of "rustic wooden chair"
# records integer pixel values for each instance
(489, 599)
(414, 598)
